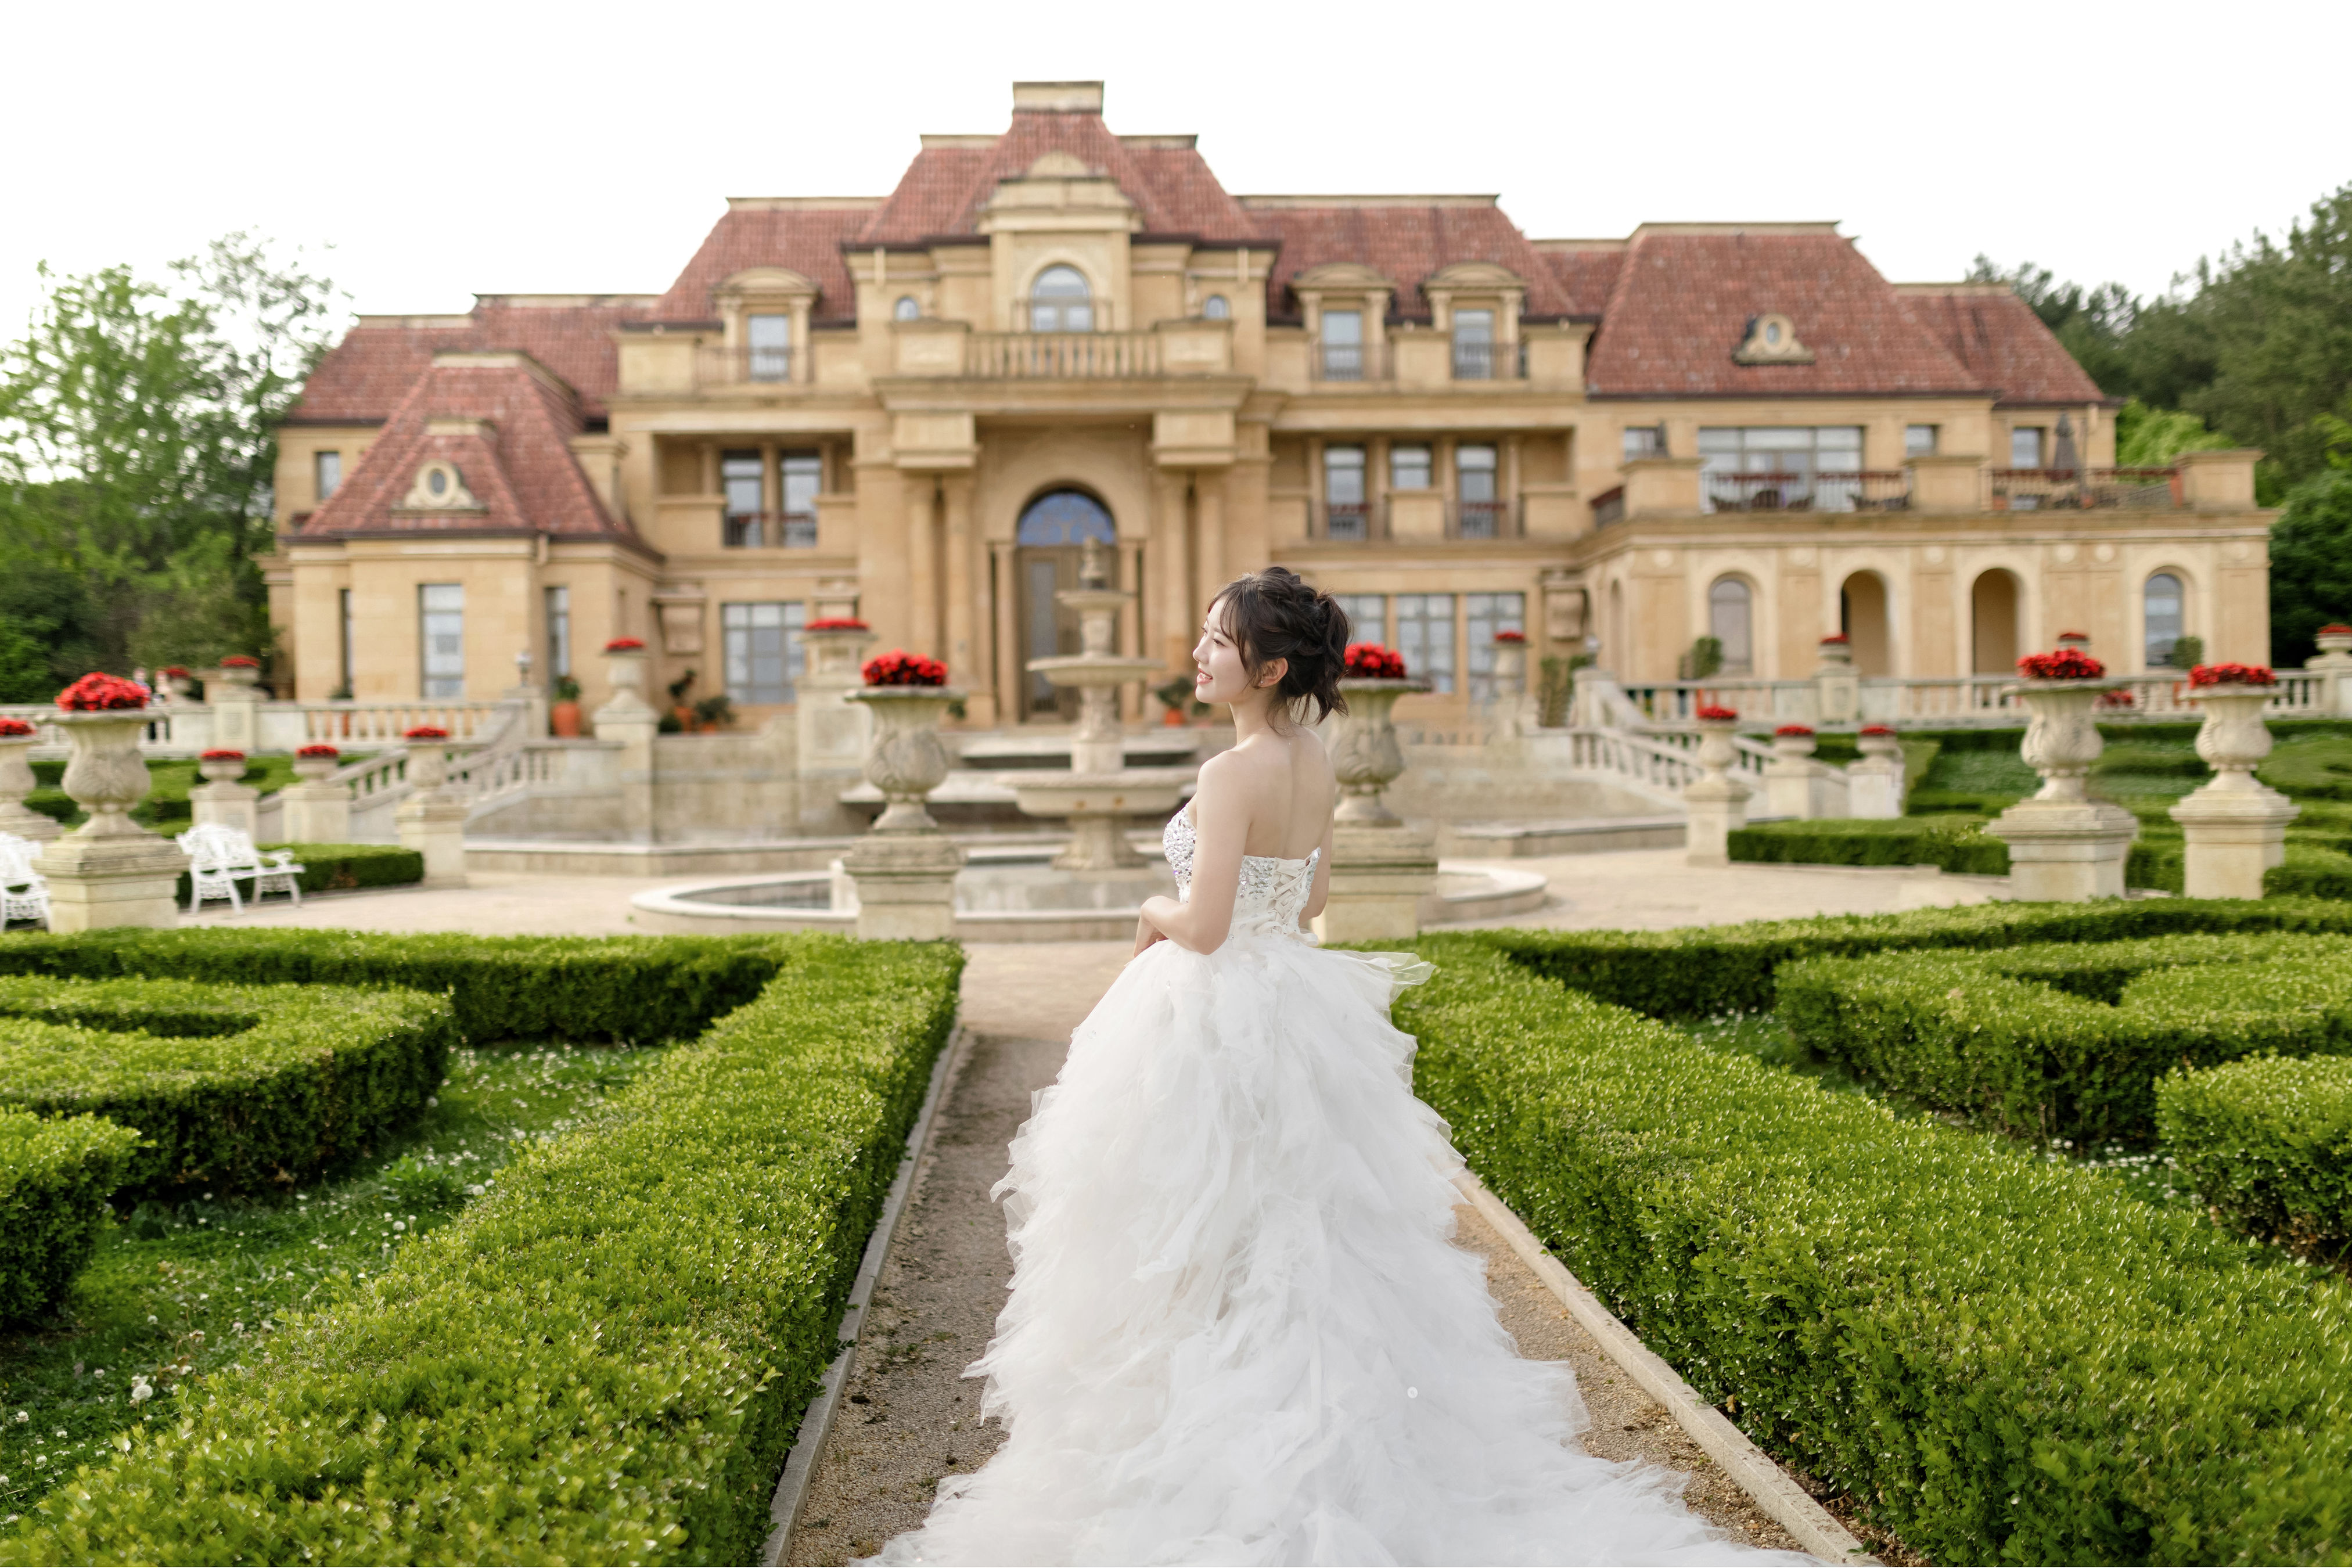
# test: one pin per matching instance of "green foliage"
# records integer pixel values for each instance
(1703, 658)
(1954, 844)
(2311, 565)
(601, 1361)
(2004, 1359)
(2151, 437)
(2267, 1143)
(334, 867)
(521, 987)
(230, 1085)
(2094, 324)
(2315, 768)
(56, 1173)
(167, 807)
(2065, 1043)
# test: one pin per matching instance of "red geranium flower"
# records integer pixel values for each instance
(2066, 664)
(1715, 715)
(836, 623)
(1507, 635)
(899, 668)
(1794, 730)
(1370, 661)
(427, 733)
(97, 692)
(12, 728)
(2232, 675)
(240, 661)
(179, 670)
(1837, 636)
(220, 754)
(623, 645)
(2336, 628)
(319, 751)
(2077, 636)
(1876, 729)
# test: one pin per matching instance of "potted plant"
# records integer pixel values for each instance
(104, 717)
(17, 739)
(680, 708)
(1794, 742)
(315, 762)
(222, 765)
(908, 694)
(563, 713)
(1177, 701)
(714, 712)
(1363, 743)
(428, 763)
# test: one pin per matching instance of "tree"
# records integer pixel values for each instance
(2151, 437)
(2311, 564)
(137, 441)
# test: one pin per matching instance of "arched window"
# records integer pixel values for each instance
(1060, 301)
(1731, 621)
(1065, 517)
(907, 309)
(2166, 608)
(1215, 308)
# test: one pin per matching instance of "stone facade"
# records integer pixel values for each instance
(914, 409)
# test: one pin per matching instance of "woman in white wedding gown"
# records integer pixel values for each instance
(1238, 1331)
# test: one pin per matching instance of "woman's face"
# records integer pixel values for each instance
(1218, 676)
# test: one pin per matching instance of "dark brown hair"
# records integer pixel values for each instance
(1274, 613)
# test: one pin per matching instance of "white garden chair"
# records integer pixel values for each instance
(220, 856)
(24, 895)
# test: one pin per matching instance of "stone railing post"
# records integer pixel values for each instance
(16, 783)
(431, 821)
(906, 867)
(1874, 783)
(2234, 823)
(1380, 869)
(109, 871)
(236, 702)
(1513, 711)
(317, 810)
(1789, 777)
(1837, 698)
(221, 798)
(629, 719)
(2333, 663)
(1716, 803)
(2062, 844)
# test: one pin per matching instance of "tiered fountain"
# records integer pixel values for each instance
(1099, 792)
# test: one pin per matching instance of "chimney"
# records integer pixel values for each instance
(1057, 96)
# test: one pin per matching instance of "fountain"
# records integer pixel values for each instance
(1099, 792)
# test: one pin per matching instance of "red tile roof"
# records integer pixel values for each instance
(806, 239)
(364, 376)
(2004, 344)
(1686, 293)
(1405, 243)
(1586, 272)
(521, 471)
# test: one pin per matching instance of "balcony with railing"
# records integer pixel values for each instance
(1062, 356)
(1861, 490)
(1477, 359)
(1348, 522)
(1343, 362)
(1493, 518)
(769, 530)
(1608, 507)
(719, 365)
(2085, 489)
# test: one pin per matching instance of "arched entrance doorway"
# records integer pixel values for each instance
(1863, 616)
(1993, 605)
(1053, 531)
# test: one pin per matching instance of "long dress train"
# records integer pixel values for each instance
(1237, 1330)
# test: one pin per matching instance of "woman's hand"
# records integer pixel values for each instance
(1146, 933)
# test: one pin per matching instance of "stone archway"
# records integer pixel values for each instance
(1867, 621)
(1996, 603)
(1047, 542)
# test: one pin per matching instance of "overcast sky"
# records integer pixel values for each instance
(440, 150)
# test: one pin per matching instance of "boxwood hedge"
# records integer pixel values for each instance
(600, 1362)
(2006, 1359)
(334, 867)
(1954, 844)
(2267, 1143)
(643, 989)
(56, 1173)
(2066, 1041)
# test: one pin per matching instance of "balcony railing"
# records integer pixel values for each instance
(1346, 362)
(1855, 489)
(1493, 518)
(1475, 361)
(2084, 490)
(1062, 356)
(1344, 521)
(1608, 507)
(770, 530)
(740, 366)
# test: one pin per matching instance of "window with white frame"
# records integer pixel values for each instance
(1409, 466)
(1478, 505)
(1425, 635)
(441, 637)
(1731, 621)
(1644, 441)
(1060, 301)
(742, 480)
(762, 650)
(559, 632)
(2025, 447)
(1368, 615)
(1474, 347)
(1483, 614)
(1919, 440)
(1346, 512)
(907, 309)
(801, 475)
(1343, 345)
(1216, 308)
(770, 339)
(1772, 467)
(2165, 608)
(327, 472)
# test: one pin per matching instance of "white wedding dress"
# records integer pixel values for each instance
(1237, 1330)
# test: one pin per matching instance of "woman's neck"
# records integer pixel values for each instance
(1253, 715)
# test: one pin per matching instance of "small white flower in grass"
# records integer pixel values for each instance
(400, 1224)
(142, 1391)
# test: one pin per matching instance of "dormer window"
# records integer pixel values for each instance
(770, 338)
(1343, 345)
(1060, 301)
(1474, 345)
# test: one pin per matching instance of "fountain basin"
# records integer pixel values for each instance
(1097, 805)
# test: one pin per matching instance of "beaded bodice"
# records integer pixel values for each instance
(1273, 891)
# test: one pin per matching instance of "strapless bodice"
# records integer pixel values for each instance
(1273, 891)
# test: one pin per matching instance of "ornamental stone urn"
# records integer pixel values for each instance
(2062, 844)
(317, 809)
(625, 672)
(906, 867)
(2234, 823)
(1716, 803)
(109, 871)
(221, 798)
(1873, 782)
(432, 821)
(1380, 869)
(628, 719)
(236, 702)
(16, 783)
(1837, 696)
(1796, 785)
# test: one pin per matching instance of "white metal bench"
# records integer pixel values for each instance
(220, 856)
(24, 895)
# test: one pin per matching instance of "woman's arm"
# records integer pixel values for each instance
(1221, 829)
(1321, 891)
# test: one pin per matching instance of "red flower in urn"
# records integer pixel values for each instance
(624, 644)
(1797, 730)
(2336, 628)
(1507, 634)
(1370, 661)
(238, 661)
(835, 624)
(98, 692)
(220, 754)
(899, 668)
(426, 732)
(1876, 729)
(1711, 714)
(14, 729)
(316, 752)
(2232, 675)
(2066, 664)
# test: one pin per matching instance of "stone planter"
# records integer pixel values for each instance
(2062, 844)
(625, 672)
(234, 699)
(1716, 803)
(1796, 785)
(1874, 784)
(906, 867)
(2334, 661)
(239, 677)
(109, 871)
(221, 770)
(428, 765)
(16, 783)
(906, 760)
(222, 799)
(1837, 695)
(2234, 823)
(318, 811)
(1363, 747)
(430, 821)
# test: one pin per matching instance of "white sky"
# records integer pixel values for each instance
(443, 149)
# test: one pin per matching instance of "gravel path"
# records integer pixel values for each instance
(910, 1418)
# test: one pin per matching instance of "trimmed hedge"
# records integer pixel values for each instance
(238, 1085)
(1702, 972)
(2067, 1041)
(1952, 844)
(2314, 767)
(2267, 1143)
(603, 1361)
(2007, 1359)
(55, 1177)
(642, 989)
(332, 868)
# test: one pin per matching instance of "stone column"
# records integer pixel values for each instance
(2334, 662)
(429, 821)
(318, 811)
(236, 704)
(1381, 870)
(2062, 844)
(2235, 824)
(629, 719)
(906, 867)
(1836, 691)
(1716, 803)
(109, 871)
(831, 732)
(922, 588)
(17, 783)
(1789, 777)
(221, 798)
(1874, 785)
(1514, 709)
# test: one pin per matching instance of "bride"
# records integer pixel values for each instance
(1238, 1331)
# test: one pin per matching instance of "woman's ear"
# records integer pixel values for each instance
(1272, 672)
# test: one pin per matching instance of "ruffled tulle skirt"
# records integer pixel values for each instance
(1238, 1331)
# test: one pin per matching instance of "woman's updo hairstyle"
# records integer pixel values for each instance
(1273, 614)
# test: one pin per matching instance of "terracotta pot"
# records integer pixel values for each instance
(563, 719)
(1172, 719)
(685, 717)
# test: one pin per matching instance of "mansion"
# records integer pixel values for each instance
(916, 408)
